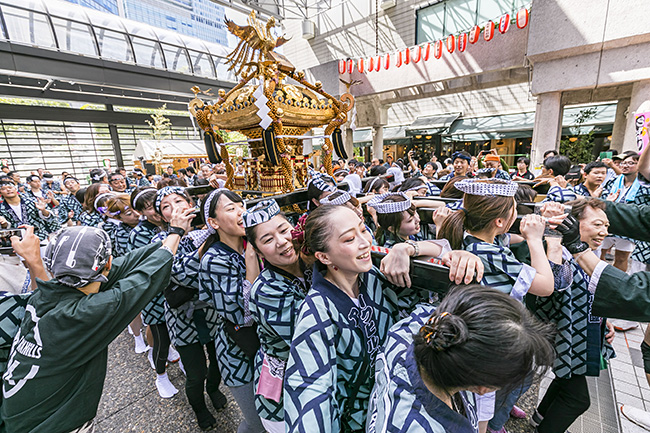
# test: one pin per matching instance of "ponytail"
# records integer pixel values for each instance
(453, 229)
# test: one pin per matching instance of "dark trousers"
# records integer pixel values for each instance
(160, 348)
(197, 370)
(564, 401)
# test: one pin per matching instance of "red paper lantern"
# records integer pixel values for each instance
(398, 62)
(451, 43)
(522, 18)
(342, 67)
(474, 34)
(407, 56)
(462, 42)
(416, 54)
(360, 65)
(504, 23)
(371, 64)
(387, 61)
(350, 65)
(377, 63)
(488, 32)
(427, 51)
(437, 49)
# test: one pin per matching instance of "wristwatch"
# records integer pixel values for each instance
(176, 231)
(415, 246)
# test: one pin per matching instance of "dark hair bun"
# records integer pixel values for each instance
(444, 331)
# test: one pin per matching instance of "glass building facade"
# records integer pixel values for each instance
(201, 19)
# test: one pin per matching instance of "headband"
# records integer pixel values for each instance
(99, 197)
(164, 192)
(372, 183)
(494, 187)
(460, 155)
(141, 193)
(391, 206)
(206, 209)
(343, 198)
(260, 213)
(98, 176)
(322, 181)
(70, 178)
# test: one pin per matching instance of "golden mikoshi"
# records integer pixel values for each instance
(273, 114)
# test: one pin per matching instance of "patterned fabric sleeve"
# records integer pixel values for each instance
(223, 281)
(433, 190)
(186, 268)
(560, 195)
(503, 271)
(139, 237)
(311, 374)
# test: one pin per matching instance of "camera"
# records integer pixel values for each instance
(5, 239)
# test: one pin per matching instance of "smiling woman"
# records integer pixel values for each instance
(346, 314)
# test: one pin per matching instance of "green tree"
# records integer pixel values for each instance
(578, 148)
(161, 126)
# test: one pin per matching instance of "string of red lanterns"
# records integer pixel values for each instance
(422, 52)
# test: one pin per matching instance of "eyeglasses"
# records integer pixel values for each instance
(629, 163)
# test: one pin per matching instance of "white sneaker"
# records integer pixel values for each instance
(173, 355)
(165, 388)
(150, 357)
(637, 416)
(140, 345)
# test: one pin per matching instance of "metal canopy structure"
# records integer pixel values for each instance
(57, 50)
(282, 9)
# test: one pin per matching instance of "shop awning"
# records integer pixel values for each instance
(430, 125)
(517, 125)
(392, 135)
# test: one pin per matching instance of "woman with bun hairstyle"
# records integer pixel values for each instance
(192, 324)
(341, 325)
(229, 266)
(437, 359)
(95, 193)
(276, 296)
(481, 227)
(153, 314)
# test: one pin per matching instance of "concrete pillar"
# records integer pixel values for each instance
(639, 102)
(620, 123)
(378, 142)
(548, 126)
(348, 141)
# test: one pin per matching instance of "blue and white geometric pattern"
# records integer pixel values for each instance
(141, 235)
(503, 271)
(333, 353)
(377, 203)
(496, 187)
(580, 339)
(91, 219)
(221, 283)
(560, 195)
(260, 213)
(67, 203)
(12, 311)
(276, 297)
(30, 216)
(400, 401)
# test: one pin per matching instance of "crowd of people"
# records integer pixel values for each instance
(288, 310)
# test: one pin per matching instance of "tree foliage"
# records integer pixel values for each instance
(579, 147)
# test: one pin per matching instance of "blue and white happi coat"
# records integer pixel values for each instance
(580, 339)
(110, 225)
(120, 239)
(330, 371)
(195, 321)
(222, 282)
(276, 297)
(67, 203)
(400, 401)
(141, 235)
(503, 271)
(30, 216)
(91, 219)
